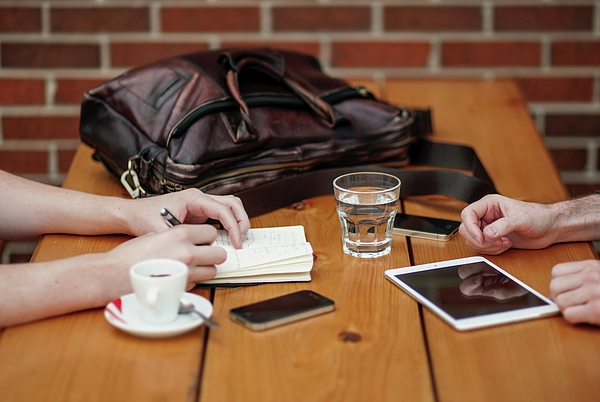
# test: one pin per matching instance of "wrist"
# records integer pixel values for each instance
(577, 219)
(120, 215)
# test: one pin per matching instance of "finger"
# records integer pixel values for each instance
(490, 248)
(472, 231)
(565, 283)
(571, 298)
(568, 268)
(586, 313)
(201, 273)
(195, 234)
(239, 213)
(231, 215)
(498, 229)
(509, 225)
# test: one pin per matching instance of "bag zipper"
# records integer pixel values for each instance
(170, 185)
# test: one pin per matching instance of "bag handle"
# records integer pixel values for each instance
(272, 66)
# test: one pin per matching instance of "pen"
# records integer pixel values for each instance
(188, 306)
(169, 218)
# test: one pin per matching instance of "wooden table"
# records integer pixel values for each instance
(379, 345)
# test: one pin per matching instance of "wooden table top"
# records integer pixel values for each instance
(378, 345)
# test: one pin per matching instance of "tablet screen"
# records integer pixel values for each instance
(471, 289)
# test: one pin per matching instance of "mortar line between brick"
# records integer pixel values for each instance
(266, 18)
(143, 37)
(45, 19)
(592, 157)
(377, 25)
(155, 20)
(487, 17)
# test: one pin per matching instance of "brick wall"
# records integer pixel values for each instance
(52, 51)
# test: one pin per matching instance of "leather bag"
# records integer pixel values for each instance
(267, 125)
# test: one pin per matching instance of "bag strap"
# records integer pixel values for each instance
(283, 192)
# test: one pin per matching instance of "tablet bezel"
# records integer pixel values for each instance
(486, 320)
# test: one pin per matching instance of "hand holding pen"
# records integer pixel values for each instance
(169, 218)
(236, 224)
(172, 221)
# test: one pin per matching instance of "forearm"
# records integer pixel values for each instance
(29, 209)
(29, 292)
(577, 219)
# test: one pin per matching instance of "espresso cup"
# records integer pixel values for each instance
(159, 285)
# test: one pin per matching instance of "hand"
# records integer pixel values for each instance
(482, 280)
(190, 206)
(575, 288)
(495, 223)
(178, 243)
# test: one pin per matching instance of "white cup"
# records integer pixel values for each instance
(159, 285)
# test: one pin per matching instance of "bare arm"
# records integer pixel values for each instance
(30, 292)
(496, 223)
(29, 209)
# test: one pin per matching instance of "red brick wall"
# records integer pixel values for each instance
(52, 51)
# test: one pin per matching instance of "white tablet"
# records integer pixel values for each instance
(471, 293)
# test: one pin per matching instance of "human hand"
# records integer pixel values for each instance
(575, 288)
(495, 223)
(482, 280)
(178, 243)
(189, 206)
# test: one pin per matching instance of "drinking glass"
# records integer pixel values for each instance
(367, 203)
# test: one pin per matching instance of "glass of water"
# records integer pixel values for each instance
(367, 204)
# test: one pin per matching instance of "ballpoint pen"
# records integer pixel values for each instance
(185, 305)
(169, 218)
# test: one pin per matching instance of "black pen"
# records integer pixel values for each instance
(169, 218)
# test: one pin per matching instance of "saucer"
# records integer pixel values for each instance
(123, 313)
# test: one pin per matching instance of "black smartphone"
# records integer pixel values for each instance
(281, 310)
(425, 227)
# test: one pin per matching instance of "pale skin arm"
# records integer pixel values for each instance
(29, 209)
(34, 291)
(496, 223)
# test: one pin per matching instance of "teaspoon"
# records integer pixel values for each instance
(186, 306)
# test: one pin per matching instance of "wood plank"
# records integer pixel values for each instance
(491, 117)
(546, 359)
(372, 347)
(80, 356)
(374, 333)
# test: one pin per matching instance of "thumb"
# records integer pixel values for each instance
(500, 228)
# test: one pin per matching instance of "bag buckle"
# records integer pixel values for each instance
(131, 182)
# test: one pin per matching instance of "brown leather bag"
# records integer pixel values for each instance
(246, 122)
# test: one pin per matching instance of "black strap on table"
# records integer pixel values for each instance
(415, 182)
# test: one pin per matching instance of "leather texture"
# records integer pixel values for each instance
(230, 120)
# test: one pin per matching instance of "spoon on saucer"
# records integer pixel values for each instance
(186, 306)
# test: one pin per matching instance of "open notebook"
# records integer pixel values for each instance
(278, 254)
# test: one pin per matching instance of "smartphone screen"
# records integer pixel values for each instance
(425, 227)
(281, 310)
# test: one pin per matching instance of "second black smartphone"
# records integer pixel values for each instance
(425, 227)
(281, 310)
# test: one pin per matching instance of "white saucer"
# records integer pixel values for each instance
(123, 313)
